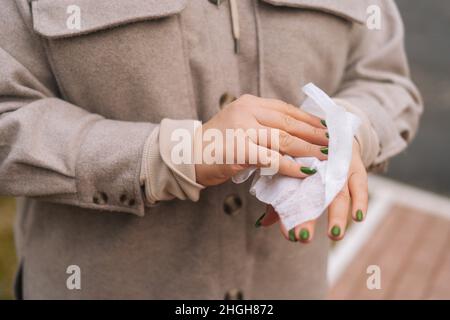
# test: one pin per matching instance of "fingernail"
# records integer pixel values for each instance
(324, 150)
(292, 235)
(359, 215)
(336, 231)
(258, 222)
(323, 122)
(308, 170)
(304, 234)
(327, 135)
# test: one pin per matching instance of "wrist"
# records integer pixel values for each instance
(366, 137)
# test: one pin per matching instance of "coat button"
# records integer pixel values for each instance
(100, 198)
(232, 204)
(234, 294)
(128, 202)
(216, 2)
(226, 99)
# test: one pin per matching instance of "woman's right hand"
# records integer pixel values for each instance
(299, 135)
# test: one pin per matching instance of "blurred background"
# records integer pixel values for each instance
(407, 231)
(415, 259)
(426, 163)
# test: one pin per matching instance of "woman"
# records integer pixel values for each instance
(91, 92)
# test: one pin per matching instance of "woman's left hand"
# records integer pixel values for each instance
(353, 195)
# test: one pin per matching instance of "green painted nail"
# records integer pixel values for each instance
(308, 170)
(327, 135)
(258, 222)
(304, 234)
(336, 231)
(324, 123)
(359, 215)
(292, 235)
(324, 150)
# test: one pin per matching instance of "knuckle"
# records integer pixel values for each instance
(285, 140)
(343, 195)
(232, 107)
(276, 103)
(290, 108)
(308, 147)
(288, 123)
(245, 100)
(317, 131)
(283, 105)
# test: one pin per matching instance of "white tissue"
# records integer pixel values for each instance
(299, 200)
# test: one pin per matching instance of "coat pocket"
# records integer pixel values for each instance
(58, 18)
(351, 10)
(306, 41)
(123, 59)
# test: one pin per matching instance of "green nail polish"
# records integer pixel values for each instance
(324, 123)
(308, 170)
(292, 235)
(324, 150)
(327, 135)
(336, 231)
(359, 215)
(304, 234)
(258, 222)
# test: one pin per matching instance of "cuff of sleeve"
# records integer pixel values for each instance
(164, 177)
(366, 135)
(108, 166)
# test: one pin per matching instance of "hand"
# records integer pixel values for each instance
(354, 194)
(300, 135)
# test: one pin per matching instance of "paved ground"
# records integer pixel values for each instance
(427, 162)
(406, 234)
(411, 249)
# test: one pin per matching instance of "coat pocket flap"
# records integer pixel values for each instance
(58, 18)
(353, 10)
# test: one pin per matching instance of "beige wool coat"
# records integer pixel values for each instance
(85, 115)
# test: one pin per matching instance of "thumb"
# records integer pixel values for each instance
(269, 217)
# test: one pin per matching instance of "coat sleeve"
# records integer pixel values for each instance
(55, 151)
(377, 87)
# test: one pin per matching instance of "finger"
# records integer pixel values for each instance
(268, 218)
(338, 213)
(288, 234)
(300, 129)
(277, 163)
(285, 143)
(358, 187)
(292, 111)
(305, 231)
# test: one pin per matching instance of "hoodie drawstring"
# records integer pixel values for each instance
(235, 25)
(234, 22)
